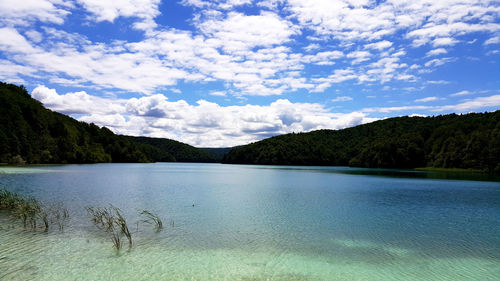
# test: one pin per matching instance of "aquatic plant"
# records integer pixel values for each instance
(31, 212)
(110, 220)
(35, 215)
(27, 210)
(44, 217)
(152, 219)
(8, 200)
(102, 218)
(60, 216)
(122, 224)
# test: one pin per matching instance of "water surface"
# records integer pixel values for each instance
(258, 223)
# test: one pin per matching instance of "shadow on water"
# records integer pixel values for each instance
(393, 173)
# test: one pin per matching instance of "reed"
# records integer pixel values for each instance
(110, 220)
(44, 217)
(122, 224)
(61, 217)
(30, 211)
(152, 219)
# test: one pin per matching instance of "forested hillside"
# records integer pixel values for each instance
(30, 133)
(469, 141)
(180, 151)
(217, 152)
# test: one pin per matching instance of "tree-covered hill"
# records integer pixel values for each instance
(469, 141)
(180, 151)
(217, 152)
(33, 134)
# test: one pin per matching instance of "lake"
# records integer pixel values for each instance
(239, 222)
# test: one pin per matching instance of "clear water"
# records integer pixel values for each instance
(258, 223)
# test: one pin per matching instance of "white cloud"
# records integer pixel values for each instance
(427, 99)
(444, 41)
(437, 82)
(14, 12)
(312, 46)
(239, 32)
(342, 98)
(492, 40)
(34, 36)
(218, 93)
(219, 4)
(359, 56)
(259, 53)
(76, 103)
(438, 62)
(323, 58)
(396, 108)
(146, 10)
(436, 52)
(461, 93)
(106, 66)
(13, 42)
(422, 21)
(13, 73)
(115, 122)
(203, 124)
(379, 45)
(477, 103)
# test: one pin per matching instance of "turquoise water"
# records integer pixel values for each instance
(258, 223)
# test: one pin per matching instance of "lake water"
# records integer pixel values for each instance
(258, 223)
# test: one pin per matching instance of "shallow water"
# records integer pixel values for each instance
(258, 223)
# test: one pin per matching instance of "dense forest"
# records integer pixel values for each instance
(181, 152)
(30, 133)
(470, 141)
(217, 152)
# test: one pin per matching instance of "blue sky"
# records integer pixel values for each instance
(230, 72)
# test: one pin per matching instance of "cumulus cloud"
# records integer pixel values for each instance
(256, 53)
(145, 10)
(379, 45)
(422, 21)
(444, 41)
(76, 103)
(202, 124)
(13, 12)
(436, 52)
(240, 32)
(220, 4)
(209, 124)
(106, 66)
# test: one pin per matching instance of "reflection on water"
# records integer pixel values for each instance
(258, 223)
(397, 173)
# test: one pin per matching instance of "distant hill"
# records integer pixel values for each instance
(470, 141)
(30, 133)
(180, 151)
(218, 153)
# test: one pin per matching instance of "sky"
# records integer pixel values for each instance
(229, 72)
